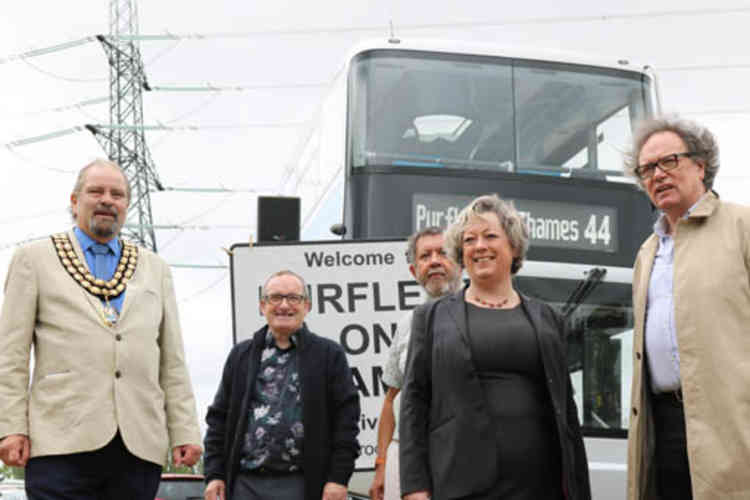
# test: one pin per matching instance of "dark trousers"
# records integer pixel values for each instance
(670, 457)
(109, 473)
(253, 486)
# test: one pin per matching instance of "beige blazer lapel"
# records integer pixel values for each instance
(134, 285)
(131, 291)
(641, 279)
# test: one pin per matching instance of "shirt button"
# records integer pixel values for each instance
(638, 355)
(118, 337)
(118, 374)
(635, 412)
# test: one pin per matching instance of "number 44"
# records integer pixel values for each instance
(596, 235)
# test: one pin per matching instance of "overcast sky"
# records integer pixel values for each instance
(282, 54)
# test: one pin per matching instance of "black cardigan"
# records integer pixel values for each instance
(446, 427)
(330, 412)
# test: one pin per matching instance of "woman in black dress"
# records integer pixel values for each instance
(487, 410)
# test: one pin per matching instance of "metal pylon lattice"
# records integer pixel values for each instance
(124, 140)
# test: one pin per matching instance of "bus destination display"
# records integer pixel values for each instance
(550, 224)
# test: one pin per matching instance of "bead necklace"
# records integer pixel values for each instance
(494, 305)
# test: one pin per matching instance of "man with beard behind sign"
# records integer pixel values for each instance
(438, 276)
(110, 393)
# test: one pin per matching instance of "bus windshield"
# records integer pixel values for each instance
(600, 317)
(415, 109)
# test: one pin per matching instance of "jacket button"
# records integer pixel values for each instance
(118, 374)
(118, 337)
(635, 412)
(638, 355)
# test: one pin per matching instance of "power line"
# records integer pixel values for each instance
(47, 50)
(22, 218)
(209, 287)
(209, 87)
(5, 246)
(218, 89)
(203, 104)
(29, 161)
(160, 127)
(195, 227)
(178, 227)
(60, 77)
(31, 53)
(382, 28)
(45, 137)
(469, 24)
(702, 67)
(57, 76)
(59, 109)
(214, 208)
(180, 189)
(162, 53)
(176, 189)
(198, 216)
(213, 190)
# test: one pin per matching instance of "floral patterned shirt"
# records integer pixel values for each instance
(275, 431)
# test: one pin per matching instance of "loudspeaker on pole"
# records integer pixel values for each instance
(278, 218)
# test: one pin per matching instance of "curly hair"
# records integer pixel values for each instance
(510, 220)
(696, 137)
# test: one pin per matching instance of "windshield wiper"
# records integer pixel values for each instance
(594, 276)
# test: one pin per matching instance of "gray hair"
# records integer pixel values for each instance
(696, 137)
(510, 220)
(99, 162)
(411, 243)
(287, 272)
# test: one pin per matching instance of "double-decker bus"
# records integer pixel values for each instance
(412, 130)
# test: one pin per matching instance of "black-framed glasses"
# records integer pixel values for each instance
(293, 299)
(665, 163)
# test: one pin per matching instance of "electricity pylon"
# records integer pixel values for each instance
(124, 140)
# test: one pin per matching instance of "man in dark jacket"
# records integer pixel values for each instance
(283, 423)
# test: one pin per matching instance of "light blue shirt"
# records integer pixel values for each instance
(661, 331)
(111, 259)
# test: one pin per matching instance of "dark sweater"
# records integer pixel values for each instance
(330, 412)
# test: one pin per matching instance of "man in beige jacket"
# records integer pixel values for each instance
(689, 434)
(110, 392)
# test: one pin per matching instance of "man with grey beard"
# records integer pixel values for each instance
(110, 393)
(438, 275)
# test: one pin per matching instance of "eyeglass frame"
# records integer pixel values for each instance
(293, 299)
(659, 163)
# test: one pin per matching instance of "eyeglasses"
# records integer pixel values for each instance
(665, 163)
(292, 299)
